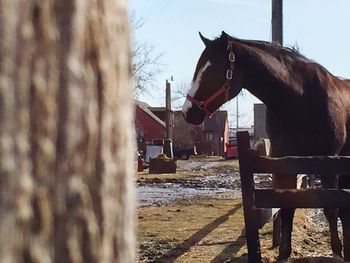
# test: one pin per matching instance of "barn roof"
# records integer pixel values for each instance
(142, 104)
(145, 107)
(158, 108)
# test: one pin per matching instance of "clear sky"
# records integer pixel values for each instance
(320, 28)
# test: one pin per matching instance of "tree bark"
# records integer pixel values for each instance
(66, 132)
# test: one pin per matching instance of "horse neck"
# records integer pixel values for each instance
(268, 77)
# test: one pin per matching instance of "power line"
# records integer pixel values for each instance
(156, 8)
(152, 5)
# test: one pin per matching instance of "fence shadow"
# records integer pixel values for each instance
(184, 247)
(315, 260)
(244, 259)
(227, 253)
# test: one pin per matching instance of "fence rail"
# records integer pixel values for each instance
(300, 164)
(301, 198)
(256, 199)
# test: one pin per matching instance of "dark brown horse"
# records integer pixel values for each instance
(308, 110)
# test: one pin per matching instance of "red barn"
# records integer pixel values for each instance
(210, 138)
(148, 126)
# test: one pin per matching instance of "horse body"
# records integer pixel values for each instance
(312, 127)
(315, 123)
(308, 110)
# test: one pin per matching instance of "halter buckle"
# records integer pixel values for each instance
(229, 74)
(226, 86)
(231, 57)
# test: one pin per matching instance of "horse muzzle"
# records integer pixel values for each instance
(194, 116)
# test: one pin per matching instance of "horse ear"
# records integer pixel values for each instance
(224, 35)
(205, 40)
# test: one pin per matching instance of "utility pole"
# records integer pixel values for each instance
(277, 36)
(168, 144)
(169, 130)
(277, 21)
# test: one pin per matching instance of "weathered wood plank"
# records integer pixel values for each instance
(254, 200)
(302, 198)
(247, 182)
(339, 165)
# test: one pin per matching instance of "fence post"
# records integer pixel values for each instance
(247, 185)
(276, 230)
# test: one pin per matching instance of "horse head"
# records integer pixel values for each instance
(216, 80)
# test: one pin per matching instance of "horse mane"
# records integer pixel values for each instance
(281, 53)
(273, 48)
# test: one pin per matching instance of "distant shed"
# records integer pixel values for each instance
(260, 121)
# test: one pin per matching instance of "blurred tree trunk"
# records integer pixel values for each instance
(66, 132)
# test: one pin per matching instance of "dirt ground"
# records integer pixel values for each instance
(208, 226)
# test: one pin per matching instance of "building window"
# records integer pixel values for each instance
(209, 135)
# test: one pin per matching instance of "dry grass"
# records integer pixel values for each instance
(212, 230)
(181, 174)
(227, 164)
(206, 158)
(145, 176)
(200, 230)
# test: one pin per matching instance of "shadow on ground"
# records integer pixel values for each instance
(244, 259)
(184, 247)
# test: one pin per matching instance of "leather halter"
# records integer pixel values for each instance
(203, 104)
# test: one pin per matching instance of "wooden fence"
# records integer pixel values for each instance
(251, 162)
